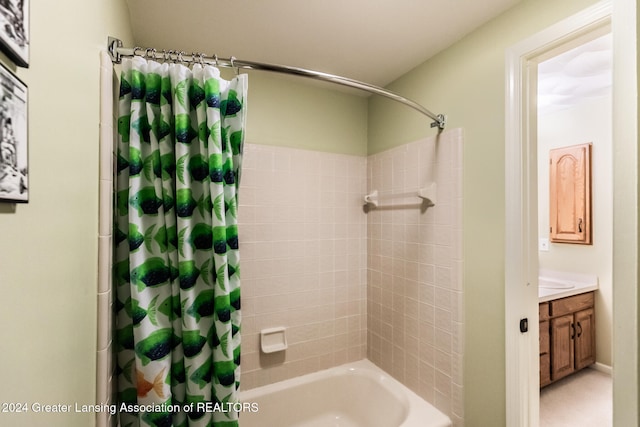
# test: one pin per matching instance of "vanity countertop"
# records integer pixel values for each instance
(554, 285)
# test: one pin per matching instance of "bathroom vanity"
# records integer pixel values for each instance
(567, 326)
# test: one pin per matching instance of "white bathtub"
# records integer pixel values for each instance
(353, 395)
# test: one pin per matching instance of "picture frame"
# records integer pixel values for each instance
(14, 30)
(14, 150)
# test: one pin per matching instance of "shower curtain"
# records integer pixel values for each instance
(176, 268)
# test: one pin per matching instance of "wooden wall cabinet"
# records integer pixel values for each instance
(567, 336)
(570, 194)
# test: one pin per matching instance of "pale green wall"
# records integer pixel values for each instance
(288, 111)
(48, 248)
(467, 83)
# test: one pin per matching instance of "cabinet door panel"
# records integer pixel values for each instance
(562, 335)
(585, 353)
(570, 194)
(545, 356)
(545, 370)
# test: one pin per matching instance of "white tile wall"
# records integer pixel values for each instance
(303, 260)
(415, 300)
(303, 245)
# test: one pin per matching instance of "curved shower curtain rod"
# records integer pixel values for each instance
(117, 51)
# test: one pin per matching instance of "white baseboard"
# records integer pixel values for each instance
(602, 368)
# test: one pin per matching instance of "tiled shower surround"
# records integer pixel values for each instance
(302, 233)
(349, 281)
(414, 252)
(346, 281)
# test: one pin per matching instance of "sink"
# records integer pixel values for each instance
(559, 284)
(544, 282)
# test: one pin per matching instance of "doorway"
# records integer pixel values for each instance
(574, 94)
(521, 168)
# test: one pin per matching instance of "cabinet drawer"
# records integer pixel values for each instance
(543, 311)
(570, 304)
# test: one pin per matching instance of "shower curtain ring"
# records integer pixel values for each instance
(233, 58)
(215, 59)
(137, 48)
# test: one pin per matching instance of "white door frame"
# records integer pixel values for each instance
(521, 245)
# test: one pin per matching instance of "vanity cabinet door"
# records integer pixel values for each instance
(585, 341)
(570, 194)
(562, 346)
(567, 336)
(545, 354)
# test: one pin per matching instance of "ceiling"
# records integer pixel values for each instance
(374, 41)
(576, 76)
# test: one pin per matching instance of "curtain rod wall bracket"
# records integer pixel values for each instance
(440, 122)
(117, 51)
(112, 47)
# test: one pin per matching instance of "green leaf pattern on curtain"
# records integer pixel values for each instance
(176, 267)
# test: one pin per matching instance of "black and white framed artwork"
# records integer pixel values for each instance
(14, 30)
(14, 167)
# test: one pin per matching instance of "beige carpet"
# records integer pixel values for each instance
(583, 399)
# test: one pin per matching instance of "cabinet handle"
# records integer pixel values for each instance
(573, 331)
(580, 225)
(579, 329)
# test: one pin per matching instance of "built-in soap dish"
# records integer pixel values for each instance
(273, 340)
